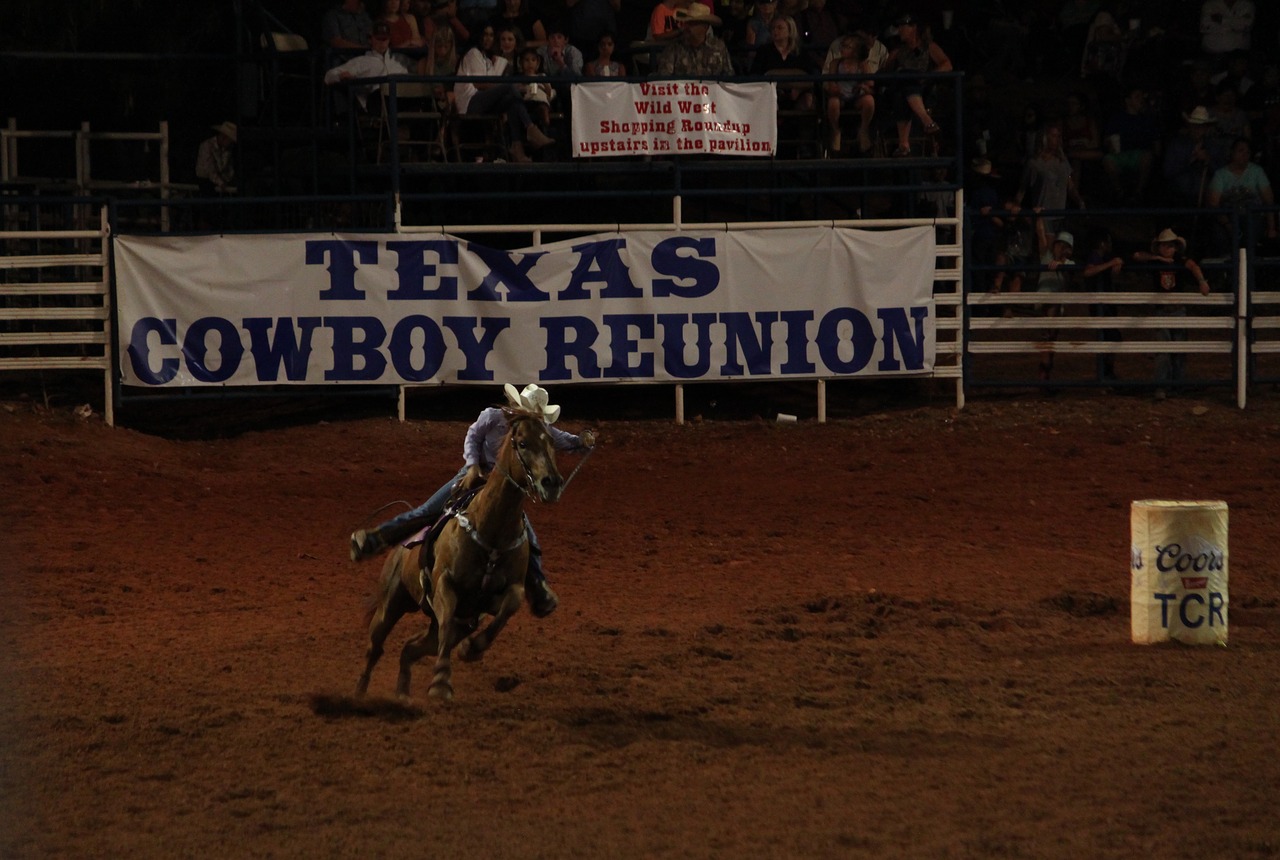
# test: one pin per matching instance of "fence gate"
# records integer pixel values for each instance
(55, 301)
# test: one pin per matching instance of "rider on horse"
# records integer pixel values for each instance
(480, 452)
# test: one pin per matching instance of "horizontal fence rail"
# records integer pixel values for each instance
(55, 300)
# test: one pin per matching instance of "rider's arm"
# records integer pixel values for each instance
(473, 447)
(565, 441)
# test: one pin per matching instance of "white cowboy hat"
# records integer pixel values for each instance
(696, 14)
(1200, 116)
(532, 399)
(1167, 235)
(227, 128)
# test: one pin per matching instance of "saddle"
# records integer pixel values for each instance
(427, 537)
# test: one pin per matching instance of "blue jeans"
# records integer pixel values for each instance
(405, 525)
(502, 98)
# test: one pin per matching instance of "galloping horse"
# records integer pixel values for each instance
(480, 558)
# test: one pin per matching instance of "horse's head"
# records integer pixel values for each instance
(533, 451)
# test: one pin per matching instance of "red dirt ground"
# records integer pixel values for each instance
(899, 634)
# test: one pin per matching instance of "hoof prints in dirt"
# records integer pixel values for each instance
(389, 710)
(1084, 605)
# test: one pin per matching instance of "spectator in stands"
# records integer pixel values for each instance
(1101, 266)
(444, 16)
(1236, 75)
(1177, 273)
(537, 94)
(1073, 22)
(509, 45)
(782, 54)
(986, 237)
(498, 97)
(377, 62)
(404, 26)
(1047, 180)
(1231, 121)
(1191, 158)
(1240, 183)
(444, 63)
(561, 59)
(518, 14)
(760, 21)
(1103, 49)
(215, 170)
(590, 20)
(1081, 137)
(1226, 26)
(1055, 266)
(917, 52)
(697, 53)
(1198, 89)
(1018, 249)
(857, 95)
(663, 26)
(873, 49)
(1133, 141)
(346, 28)
(820, 26)
(476, 13)
(604, 65)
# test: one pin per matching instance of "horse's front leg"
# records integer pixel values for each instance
(445, 603)
(473, 647)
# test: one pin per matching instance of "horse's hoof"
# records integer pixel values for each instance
(441, 691)
(468, 651)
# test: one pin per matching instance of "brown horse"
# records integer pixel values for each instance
(478, 567)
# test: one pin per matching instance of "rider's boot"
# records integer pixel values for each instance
(542, 600)
(371, 542)
(366, 544)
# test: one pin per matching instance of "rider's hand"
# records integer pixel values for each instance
(474, 477)
(588, 439)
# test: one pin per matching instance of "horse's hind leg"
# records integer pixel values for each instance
(395, 602)
(414, 650)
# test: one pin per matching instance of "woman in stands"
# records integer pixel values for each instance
(496, 98)
(917, 52)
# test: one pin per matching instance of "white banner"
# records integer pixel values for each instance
(643, 306)
(674, 118)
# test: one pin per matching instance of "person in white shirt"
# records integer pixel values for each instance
(379, 62)
(478, 98)
(1226, 26)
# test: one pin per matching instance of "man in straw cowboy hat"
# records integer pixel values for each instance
(1176, 273)
(1191, 157)
(215, 172)
(479, 454)
(697, 53)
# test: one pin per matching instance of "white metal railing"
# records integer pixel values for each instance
(79, 176)
(57, 325)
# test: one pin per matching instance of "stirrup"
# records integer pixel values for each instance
(366, 544)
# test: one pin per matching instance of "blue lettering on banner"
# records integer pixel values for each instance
(413, 270)
(1187, 604)
(417, 347)
(389, 328)
(342, 265)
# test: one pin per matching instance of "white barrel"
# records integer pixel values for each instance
(1178, 572)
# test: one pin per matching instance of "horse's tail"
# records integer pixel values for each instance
(388, 582)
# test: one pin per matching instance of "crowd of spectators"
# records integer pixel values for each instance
(1116, 82)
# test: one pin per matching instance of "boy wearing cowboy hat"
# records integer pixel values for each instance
(479, 453)
(1176, 273)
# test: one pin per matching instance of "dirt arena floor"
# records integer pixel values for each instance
(904, 633)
